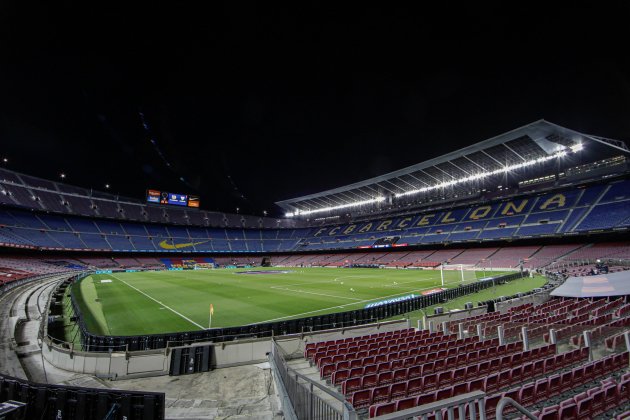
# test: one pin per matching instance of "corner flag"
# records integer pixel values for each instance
(210, 317)
(211, 309)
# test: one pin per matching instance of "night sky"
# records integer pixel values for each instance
(247, 104)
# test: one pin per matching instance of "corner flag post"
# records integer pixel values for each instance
(210, 319)
(442, 273)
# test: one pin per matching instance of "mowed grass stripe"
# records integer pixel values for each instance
(122, 306)
(356, 305)
(162, 305)
(241, 299)
(88, 300)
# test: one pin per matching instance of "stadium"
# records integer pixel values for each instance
(489, 280)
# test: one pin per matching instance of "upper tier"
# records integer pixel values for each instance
(594, 208)
(40, 194)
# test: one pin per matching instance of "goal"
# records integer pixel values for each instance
(457, 273)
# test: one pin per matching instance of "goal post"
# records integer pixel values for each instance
(457, 273)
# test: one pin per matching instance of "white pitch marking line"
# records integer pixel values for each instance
(166, 306)
(347, 304)
(320, 282)
(319, 294)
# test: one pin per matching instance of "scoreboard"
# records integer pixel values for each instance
(174, 199)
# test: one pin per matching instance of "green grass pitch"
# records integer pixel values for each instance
(154, 302)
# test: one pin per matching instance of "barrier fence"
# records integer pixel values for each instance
(301, 394)
(45, 401)
(99, 343)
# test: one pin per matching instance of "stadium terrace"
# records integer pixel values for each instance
(434, 289)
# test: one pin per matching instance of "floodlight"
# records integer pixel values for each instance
(577, 147)
(507, 168)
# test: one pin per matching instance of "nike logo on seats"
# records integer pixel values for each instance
(165, 245)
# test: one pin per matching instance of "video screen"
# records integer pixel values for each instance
(173, 199)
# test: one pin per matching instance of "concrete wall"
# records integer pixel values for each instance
(236, 353)
(157, 362)
(111, 365)
(536, 299)
(453, 316)
(151, 363)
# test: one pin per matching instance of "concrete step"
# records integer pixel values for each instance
(209, 409)
(88, 382)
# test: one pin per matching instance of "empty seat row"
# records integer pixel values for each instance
(363, 344)
(591, 403)
(369, 376)
(542, 389)
(413, 357)
(321, 358)
(376, 336)
(481, 380)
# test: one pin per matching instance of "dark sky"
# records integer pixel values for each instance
(252, 103)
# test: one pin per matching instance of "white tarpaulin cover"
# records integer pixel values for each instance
(614, 284)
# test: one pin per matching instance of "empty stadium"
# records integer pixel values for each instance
(426, 298)
(326, 211)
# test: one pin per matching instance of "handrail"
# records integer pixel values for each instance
(509, 401)
(459, 402)
(328, 391)
(301, 396)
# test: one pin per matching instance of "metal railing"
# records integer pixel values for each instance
(509, 401)
(468, 406)
(301, 393)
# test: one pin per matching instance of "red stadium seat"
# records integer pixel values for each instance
(578, 375)
(476, 385)
(425, 399)
(415, 386)
(398, 390)
(491, 405)
(568, 412)
(553, 388)
(444, 393)
(540, 390)
(526, 395)
(382, 409)
(505, 378)
(623, 391)
(362, 398)
(350, 385)
(491, 383)
(430, 382)
(445, 378)
(385, 378)
(381, 394)
(370, 369)
(406, 403)
(566, 381)
(460, 389)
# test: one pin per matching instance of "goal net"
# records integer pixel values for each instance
(457, 273)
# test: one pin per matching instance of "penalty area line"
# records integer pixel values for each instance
(347, 304)
(157, 301)
(318, 294)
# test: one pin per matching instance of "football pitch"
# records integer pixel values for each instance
(153, 302)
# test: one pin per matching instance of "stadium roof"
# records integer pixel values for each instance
(613, 284)
(538, 142)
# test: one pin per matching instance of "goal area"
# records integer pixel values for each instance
(462, 273)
